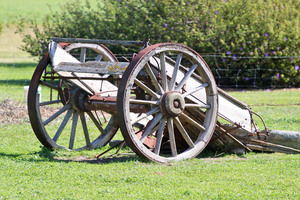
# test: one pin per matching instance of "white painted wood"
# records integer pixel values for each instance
(58, 55)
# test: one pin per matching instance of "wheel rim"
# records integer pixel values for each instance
(178, 94)
(59, 121)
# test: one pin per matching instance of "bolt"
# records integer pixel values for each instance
(176, 103)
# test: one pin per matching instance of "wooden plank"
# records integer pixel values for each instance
(95, 67)
(271, 149)
(264, 144)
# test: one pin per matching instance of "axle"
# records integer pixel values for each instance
(109, 105)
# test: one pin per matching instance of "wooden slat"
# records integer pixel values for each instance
(94, 67)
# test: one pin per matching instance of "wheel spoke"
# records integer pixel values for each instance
(163, 72)
(191, 121)
(154, 110)
(63, 124)
(61, 95)
(183, 132)
(73, 130)
(157, 86)
(50, 102)
(98, 58)
(55, 115)
(198, 105)
(103, 115)
(172, 137)
(175, 71)
(137, 101)
(85, 129)
(200, 87)
(152, 124)
(159, 136)
(96, 122)
(82, 55)
(147, 89)
(186, 77)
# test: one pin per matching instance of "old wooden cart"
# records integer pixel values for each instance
(165, 100)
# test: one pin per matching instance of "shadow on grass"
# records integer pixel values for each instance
(15, 82)
(128, 157)
(45, 153)
(121, 158)
(19, 65)
(48, 155)
(51, 155)
(209, 153)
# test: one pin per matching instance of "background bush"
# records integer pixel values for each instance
(240, 34)
(1, 26)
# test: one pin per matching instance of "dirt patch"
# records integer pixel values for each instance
(13, 112)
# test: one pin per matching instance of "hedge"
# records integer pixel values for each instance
(241, 34)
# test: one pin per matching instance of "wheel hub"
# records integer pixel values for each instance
(76, 99)
(172, 104)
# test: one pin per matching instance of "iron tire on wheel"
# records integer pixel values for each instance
(177, 96)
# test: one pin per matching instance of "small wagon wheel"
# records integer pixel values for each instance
(54, 116)
(167, 103)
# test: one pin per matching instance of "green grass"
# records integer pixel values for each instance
(34, 9)
(269, 97)
(13, 78)
(29, 171)
(279, 108)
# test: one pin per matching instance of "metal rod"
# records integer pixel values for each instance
(84, 83)
(98, 41)
(120, 144)
(82, 78)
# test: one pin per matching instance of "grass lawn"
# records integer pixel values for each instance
(29, 171)
(279, 108)
(34, 9)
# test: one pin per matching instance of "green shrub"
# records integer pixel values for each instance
(1, 27)
(242, 34)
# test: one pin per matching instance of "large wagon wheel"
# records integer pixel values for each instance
(177, 98)
(54, 119)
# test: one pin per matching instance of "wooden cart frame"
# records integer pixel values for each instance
(165, 100)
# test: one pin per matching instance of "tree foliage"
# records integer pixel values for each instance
(266, 32)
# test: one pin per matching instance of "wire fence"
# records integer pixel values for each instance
(240, 72)
(229, 73)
